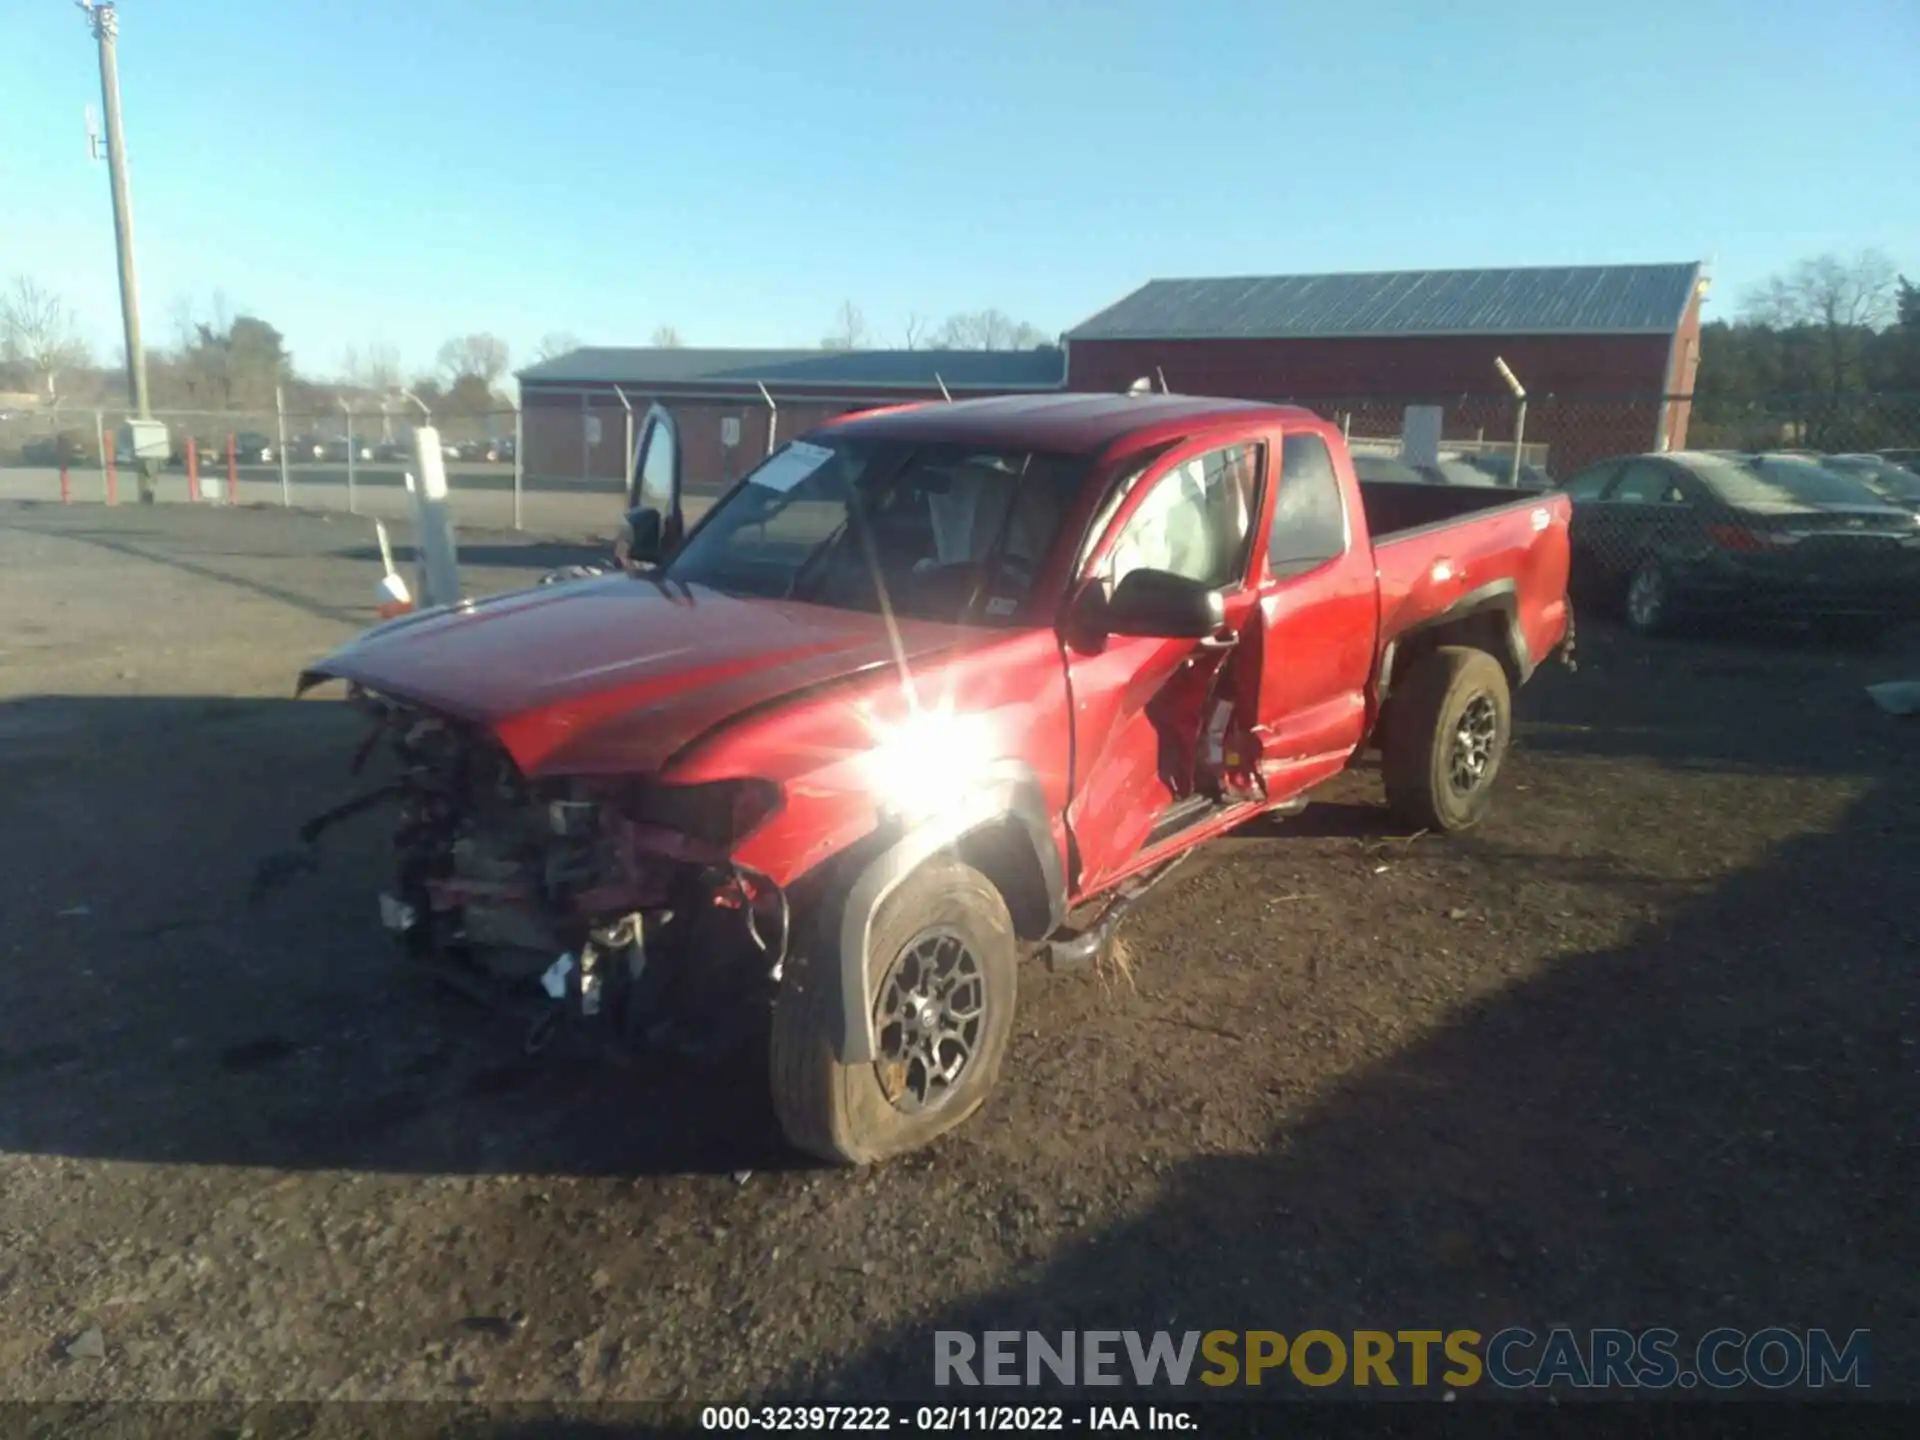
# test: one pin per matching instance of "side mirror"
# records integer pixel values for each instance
(1161, 604)
(642, 537)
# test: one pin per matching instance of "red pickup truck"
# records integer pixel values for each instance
(931, 690)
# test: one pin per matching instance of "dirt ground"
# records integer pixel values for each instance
(1641, 1051)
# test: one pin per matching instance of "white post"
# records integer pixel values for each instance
(100, 446)
(626, 474)
(352, 508)
(433, 521)
(519, 465)
(280, 412)
(773, 419)
(1519, 419)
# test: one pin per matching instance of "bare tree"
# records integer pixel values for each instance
(916, 329)
(554, 344)
(39, 331)
(849, 329)
(667, 337)
(183, 318)
(1838, 301)
(481, 353)
(990, 330)
(375, 367)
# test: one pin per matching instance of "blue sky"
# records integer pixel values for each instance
(407, 171)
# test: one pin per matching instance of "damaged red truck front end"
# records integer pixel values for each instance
(559, 816)
(929, 692)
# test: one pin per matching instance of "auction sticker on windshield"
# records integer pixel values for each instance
(791, 466)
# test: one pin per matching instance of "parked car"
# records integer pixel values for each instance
(393, 451)
(1908, 458)
(69, 447)
(337, 449)
(1690, 533)
(1896, 484)
(208, 449)
(849, 761)
(306, 447)
(250, 447)
(485, 451)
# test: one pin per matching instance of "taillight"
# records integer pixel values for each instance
(1738, 537)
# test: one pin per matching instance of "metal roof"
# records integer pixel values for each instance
(1560, 300)
(837, 369)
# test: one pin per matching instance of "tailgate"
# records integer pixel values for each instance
(1517, 549)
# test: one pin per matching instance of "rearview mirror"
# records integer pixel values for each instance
(1161, 604)
(641, 537)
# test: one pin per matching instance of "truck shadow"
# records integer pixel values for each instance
(150, 1012)
(1712, 1123)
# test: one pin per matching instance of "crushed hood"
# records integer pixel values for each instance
(614, 674)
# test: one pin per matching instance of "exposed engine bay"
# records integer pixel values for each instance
(611, 901)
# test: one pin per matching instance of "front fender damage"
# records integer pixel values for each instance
(612, 909)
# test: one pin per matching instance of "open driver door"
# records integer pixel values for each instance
(1158, 630)
(655, 520)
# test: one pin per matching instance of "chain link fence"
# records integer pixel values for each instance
(1820, 529)
(343, 460)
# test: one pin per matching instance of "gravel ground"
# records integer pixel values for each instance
(1640, 1051)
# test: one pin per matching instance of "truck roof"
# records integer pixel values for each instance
(1063, 424)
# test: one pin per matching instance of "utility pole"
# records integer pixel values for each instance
(105, 24)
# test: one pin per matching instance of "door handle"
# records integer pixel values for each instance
(1220, 640)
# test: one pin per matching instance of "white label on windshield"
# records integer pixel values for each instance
(791, 466)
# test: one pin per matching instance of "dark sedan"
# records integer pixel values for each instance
(250, 447)
(1689, 533)
(1896, 484)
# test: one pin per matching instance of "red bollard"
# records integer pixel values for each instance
(66, 485)
(233, 472)
(113, 481)
(193, 469)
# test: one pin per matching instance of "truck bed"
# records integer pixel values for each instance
(1437, 547)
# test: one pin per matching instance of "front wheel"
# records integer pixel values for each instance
(1445, 734)
(944, 963)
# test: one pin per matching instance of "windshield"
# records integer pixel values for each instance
(1780, 480)
(942, 531)
(1883, 475)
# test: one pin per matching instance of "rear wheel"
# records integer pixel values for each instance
(944, 961)
(1445, 733)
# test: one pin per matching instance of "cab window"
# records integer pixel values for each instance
(1309, 517)
(1196, 521)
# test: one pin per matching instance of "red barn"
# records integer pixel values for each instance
(1606, 352)
(731, 406)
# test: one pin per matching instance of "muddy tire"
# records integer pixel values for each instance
(944, 962)
(1445, 733)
